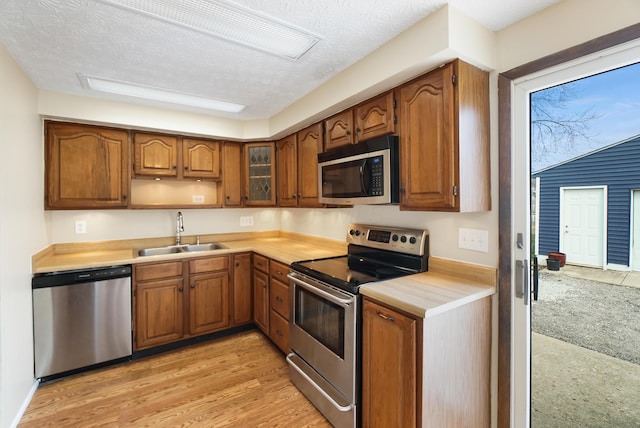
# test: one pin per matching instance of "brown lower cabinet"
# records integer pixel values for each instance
(271, 299)
(180, 299)
(389, 367)
(432, 372)
(279, 305)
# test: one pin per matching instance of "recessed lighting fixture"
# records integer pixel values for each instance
(228, 21)
(156, 94)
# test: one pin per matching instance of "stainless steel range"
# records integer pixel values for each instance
(324, 329)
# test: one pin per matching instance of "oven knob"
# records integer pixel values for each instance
(395, 238)
(403, 239)
(357, 233)
(412, 239)
(352, 232)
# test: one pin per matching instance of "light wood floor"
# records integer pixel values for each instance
(238, 381)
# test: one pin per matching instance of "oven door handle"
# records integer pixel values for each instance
(329, 296)
(316, 386)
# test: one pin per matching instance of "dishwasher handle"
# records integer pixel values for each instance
(81, 276)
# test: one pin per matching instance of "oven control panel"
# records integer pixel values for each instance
(409, 241)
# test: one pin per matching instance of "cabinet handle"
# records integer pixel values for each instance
(279, 273)
(385, 317)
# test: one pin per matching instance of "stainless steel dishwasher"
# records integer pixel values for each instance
(81, 319)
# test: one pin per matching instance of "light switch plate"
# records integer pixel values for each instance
(473, 239)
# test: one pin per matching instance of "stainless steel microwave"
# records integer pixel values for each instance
(363, 173)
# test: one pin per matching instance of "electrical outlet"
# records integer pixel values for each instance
(246, 220)
(81, 227)
(473, 239)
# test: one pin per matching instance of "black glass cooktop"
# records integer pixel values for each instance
(349, 272)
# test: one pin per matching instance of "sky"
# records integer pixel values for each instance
(613, 98)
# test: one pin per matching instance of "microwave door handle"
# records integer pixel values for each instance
(364, 183)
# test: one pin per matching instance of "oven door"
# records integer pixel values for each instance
(322, 331)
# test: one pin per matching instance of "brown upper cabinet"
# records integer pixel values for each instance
(260, 174)
(338, 130)
(444, 140)
(232, 174)
(372, 118)
(287, 172)
(86, 166)
(375, 117)
(309, 145)
(297, 166)
(155, 155)
(160, 156)
(201, 159)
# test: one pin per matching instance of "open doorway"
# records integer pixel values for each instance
(585, 340)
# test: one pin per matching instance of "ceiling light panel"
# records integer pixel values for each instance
(229, 22)
(156, 94)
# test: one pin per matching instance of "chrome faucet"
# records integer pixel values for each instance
(179, 228)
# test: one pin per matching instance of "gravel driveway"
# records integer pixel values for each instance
(594, 315)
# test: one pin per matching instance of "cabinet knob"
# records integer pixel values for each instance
(186, 168)
(181, 289)
(237, 264)
(193, 285)
(228, 197)
(175, 167)
(358, 129)
(348, 132)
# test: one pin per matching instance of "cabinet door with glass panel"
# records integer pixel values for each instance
(260, 172)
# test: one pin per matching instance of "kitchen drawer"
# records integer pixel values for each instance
(279, 271)
(261, 263)
(208, 264)
(279, 298)
(279, 331)
(147, 272)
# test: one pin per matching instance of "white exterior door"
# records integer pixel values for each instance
(520, 361)
(583, 225)
(635, 238)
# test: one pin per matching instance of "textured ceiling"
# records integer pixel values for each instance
(55, 40)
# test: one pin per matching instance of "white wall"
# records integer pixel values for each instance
(23, 231)
(561, 26)
(132, 224)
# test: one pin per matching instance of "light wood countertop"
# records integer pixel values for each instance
(285, 247)
(431, 293)
(448, 284)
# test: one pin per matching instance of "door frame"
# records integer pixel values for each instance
(632, 230)
(505, 240)
(604, 225)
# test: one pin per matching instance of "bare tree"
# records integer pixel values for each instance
(554, 127)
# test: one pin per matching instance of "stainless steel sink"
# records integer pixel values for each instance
(204, 247)
(174, 249)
